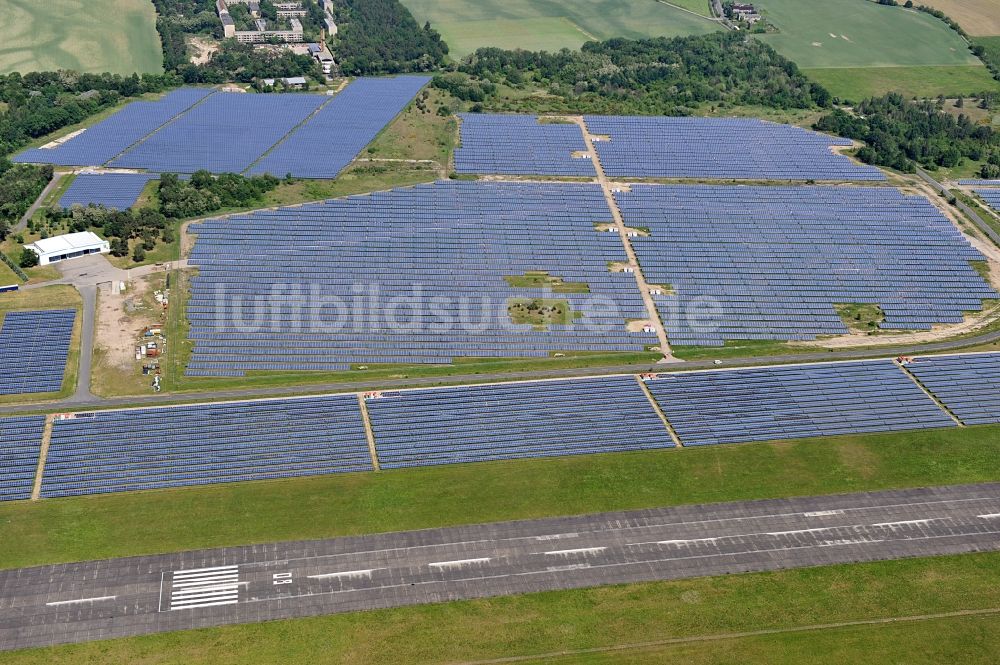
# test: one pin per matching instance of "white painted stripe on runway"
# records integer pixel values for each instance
(989, 516)
(823, 513)
(191, 571)
(557, 536)
(181, 593)
(80, 600)
(202, 576)
(795, 532)
(688, 541)
(459, 563)
(848, 541)
(346, 573)
(207, 582)
(189, 602)
(212, 604)
(582, 550)
(905, 522)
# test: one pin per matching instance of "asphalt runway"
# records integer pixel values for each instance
(133, 596)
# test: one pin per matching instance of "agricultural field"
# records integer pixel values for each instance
(858, 33)
(117, 36)
(552, 24)
(859, 48)
(979, 18)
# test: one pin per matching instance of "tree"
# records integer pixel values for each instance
(139, 255)
(28, 259)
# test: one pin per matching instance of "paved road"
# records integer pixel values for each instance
(22, 223)
(969, 212)
(121, 597)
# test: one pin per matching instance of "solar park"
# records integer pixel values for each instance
(111, 190)
(33, 350)
(991, 196)
(199, 128)
(777, 259)
(151, 448)
(520, 145)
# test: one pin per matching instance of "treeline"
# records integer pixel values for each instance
(382, 37)
(205, 193)
(20, 185)
(901, 134)
(670, 76)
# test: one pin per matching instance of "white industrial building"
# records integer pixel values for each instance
(68, 246)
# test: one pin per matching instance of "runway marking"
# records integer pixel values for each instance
(80, 600)
(205, 587)
(581, 550)
(346, 573)
(906, 522)
(823, 513)
(848, 541)
(459, 563)
(637, 527)
(644, 562)
(989, 516)
(557, 536)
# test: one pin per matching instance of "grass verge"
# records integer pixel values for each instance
(58, 530)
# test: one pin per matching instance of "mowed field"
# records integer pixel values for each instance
(980, 18)
(859, 33)
(85, 35)
(554, 24)
(858, 49)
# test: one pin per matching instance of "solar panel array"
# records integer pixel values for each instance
(418, 274)
(497, 422)
(99, 144)
(33, 350)
(117, 451)
(737, 406)
(720, 148)
(226, 133)
(980, 183)
(111, 190)
(521, 145)
(775, 260)
(20, 445)
(332, 138)
(969, 385)
(991, 196)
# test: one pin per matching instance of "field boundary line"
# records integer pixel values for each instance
(43, 454)
(713, 19)
(369, 431)
(720, 637)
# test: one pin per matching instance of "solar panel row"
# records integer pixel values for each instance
(333, 137)
(991, 196)
(413, 275)
(114, 451)
(33, 350)
(968, 385)
(720, 149)
(521, 145)
(20, 446)
(773, 261)
(101, 143)
(111, 190)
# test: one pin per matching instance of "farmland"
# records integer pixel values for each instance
(857, 83)
(118, 36)
(550, 24)
(856, 33)
(980, 18)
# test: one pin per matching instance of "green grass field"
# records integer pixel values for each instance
(801, 609)
(857, 83)
(73, 529)
(94, 36)
(553, 24)
(859, 33)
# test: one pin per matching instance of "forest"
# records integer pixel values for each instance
(667, 76)
(900, 134)
(382, 37)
